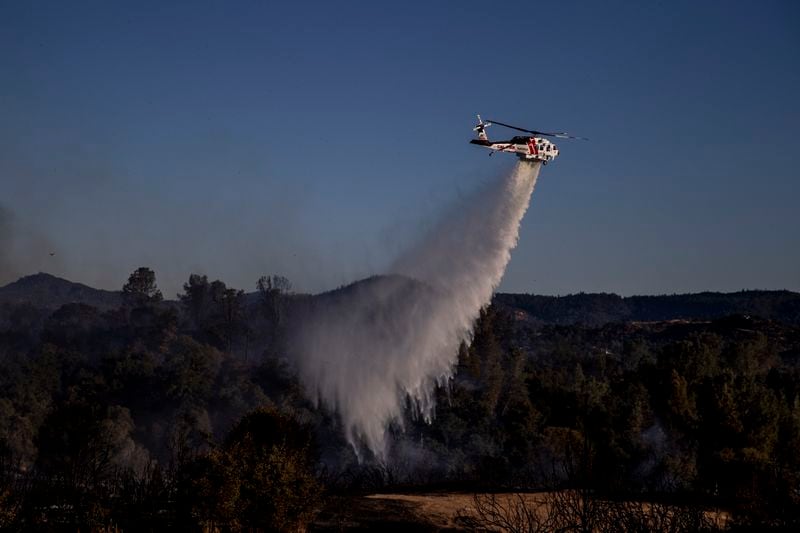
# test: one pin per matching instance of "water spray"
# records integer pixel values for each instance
(367, 351)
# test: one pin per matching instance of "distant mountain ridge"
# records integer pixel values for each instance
(46, 291)
(599, 309)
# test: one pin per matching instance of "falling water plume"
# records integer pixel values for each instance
(368, 349)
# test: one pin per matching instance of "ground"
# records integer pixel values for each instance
(397, 512)
(440, 511)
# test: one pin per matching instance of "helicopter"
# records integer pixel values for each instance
(527, 148)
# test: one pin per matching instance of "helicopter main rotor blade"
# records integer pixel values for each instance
(514, 127)
(560, 134)
(563, 135)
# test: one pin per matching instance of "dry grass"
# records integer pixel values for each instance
(440, 509)
(460, 511)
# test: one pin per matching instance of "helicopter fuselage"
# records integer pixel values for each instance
(526, 148)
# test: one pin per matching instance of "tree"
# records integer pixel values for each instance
(274, 456)
(231, 307)
(195, 299)
(273, 291)
(141, 287)
(261, 479)
(217, 312)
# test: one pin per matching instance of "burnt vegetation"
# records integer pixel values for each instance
(125, 409)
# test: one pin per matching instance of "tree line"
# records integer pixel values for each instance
(186, 414)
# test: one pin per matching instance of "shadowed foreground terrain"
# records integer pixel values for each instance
(124, 409)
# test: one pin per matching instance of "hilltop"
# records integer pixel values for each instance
(46, 291)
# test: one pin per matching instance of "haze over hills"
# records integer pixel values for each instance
(46, 291)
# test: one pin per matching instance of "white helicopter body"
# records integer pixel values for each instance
(527, 148)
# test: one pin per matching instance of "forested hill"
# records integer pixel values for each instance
(189, 414)
(599, 309)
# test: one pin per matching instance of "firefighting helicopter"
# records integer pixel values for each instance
(527, 148)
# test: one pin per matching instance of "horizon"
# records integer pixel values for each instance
(354, 282)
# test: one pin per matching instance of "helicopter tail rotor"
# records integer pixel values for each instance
(480, 127)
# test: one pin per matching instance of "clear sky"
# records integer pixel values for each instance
(315, 139)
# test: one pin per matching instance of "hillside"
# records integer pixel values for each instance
(687, 409)
(49, 292)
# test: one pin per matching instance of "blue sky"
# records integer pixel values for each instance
(316, 139)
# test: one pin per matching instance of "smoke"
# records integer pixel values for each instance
(369, 350)
(5, 244)
(24, 249)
